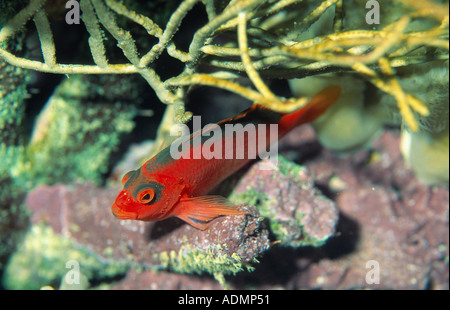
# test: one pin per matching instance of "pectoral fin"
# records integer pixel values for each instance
(198, 211)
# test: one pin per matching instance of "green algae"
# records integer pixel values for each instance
(74, 136)
(13, 221)
(73, 139)
(291, 169)
(13, 92)
(213, 260)
(41, 260)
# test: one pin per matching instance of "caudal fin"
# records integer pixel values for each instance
(312, 110)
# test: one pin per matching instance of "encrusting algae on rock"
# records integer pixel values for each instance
(80, 129)
(296, 212)
(229, 246)
(13, 93)
(42, 260)
(212, 260)
(81, 214)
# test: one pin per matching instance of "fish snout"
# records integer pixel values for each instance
(123, 215)
(120, 206)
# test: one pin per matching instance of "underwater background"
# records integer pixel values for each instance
(359, 199)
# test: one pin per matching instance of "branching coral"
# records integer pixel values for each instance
(271, 51)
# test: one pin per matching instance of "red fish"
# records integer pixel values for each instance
(166, 187)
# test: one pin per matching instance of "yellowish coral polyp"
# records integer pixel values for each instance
(349, 123)
(428, 155)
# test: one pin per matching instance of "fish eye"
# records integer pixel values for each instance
(146, 195)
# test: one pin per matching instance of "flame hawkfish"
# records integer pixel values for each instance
(166, 187)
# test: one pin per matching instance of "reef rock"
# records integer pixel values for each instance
(82, 213)
(285, 194)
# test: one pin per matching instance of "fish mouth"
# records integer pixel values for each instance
(123, 215)
(118, 208)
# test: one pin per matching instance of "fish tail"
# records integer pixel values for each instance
(312, 110)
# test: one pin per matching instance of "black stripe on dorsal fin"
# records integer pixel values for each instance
(256, 114)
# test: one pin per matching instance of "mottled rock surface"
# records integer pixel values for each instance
(149, 280)
(82, 212)
(391, 218)
(366, 208)
(297, 212)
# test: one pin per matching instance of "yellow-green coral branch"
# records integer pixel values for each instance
(46, 37)
(172, 27)
(404, 101)
(202, 36)
(128, 46)
(205, 79)
(281, 4)
(257, 64)
(151, 27)
(95, 39)
(238, 6)
(318, 51)
(124, 39)
(210, 8)
(339, 16)
(154, 30)
(65, 68)
(312, 17)
(243, 47)
(265, 44)
(428, 8)
(20, 19)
